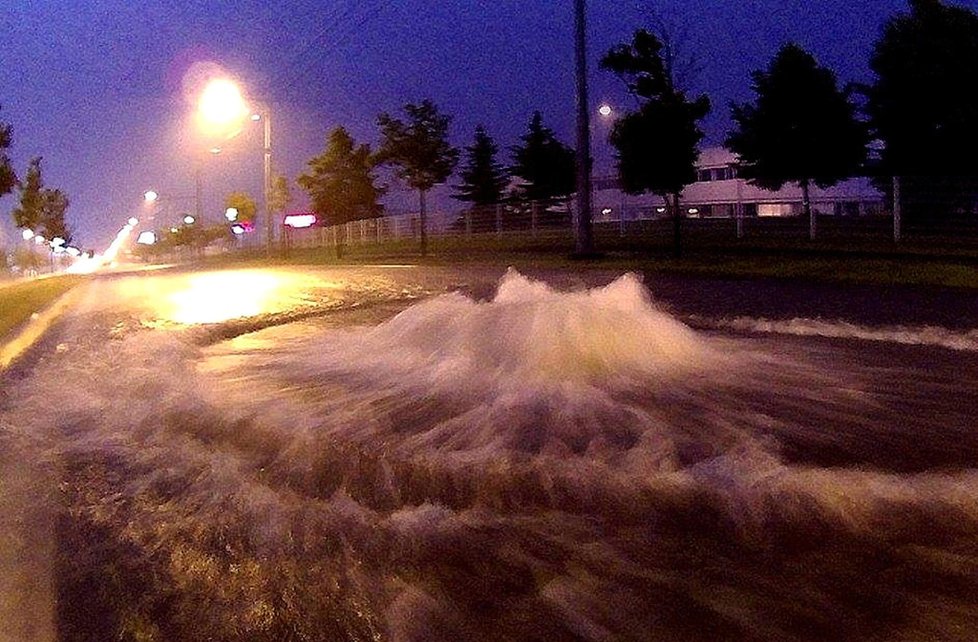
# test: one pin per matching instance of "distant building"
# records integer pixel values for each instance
(719, 193)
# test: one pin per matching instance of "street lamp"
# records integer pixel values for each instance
(222, 109)
(189, 220)
(150, 196)
(605, 110)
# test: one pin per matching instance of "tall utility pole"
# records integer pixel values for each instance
(267, 177)
(583, 232)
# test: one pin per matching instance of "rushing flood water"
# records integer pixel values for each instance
(541, 465)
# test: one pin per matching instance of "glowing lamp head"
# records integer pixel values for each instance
(133, 221)
(27, 234)
(605, 110)
(221, 107)
(238, 229)
(189, 220)
(231, 213)
(151, 197)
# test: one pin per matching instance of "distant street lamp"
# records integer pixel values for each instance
(189, 220)
(231, 214)
(150, 196)
(27, 234)
(133, 221)
(605, 110)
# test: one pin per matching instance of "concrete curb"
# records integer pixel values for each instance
(32, 331)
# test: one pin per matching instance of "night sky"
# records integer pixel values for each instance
(97, 87)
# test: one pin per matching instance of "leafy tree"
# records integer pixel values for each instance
(545, 165)
(281, 196)
(657, 145)
(29, 214)
(419, 150)
(41, 210)
(246, 206)
(53, 224)
(8, 179)
(341, 181)
(801, 128)
(920, 108)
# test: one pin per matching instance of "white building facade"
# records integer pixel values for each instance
(719, 193)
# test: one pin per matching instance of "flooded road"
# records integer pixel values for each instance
(407, 454)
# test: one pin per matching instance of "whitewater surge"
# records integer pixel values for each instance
(537, 465)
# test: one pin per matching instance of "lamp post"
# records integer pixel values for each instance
(221, 110)
(583, 232)
(265, 115)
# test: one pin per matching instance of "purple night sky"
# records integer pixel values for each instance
(96, 87)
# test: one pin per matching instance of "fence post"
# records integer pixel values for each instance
(896, 209)
(534, 215)
(499, 219)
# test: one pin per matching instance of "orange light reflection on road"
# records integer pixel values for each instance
(221, 296)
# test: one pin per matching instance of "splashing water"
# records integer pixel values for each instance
(540, 465)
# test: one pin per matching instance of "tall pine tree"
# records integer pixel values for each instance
(483, 180)
(545, 165)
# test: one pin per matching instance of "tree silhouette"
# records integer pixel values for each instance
(545, 165)
(801, 128)
(657, 144)
(420, 152)
(8, 179)
(920, 108)
(341, 181)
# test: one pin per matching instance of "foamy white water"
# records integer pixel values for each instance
(918, 336)
(538, 465)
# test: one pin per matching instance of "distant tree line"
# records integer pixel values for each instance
(39, 208)
(801, 127)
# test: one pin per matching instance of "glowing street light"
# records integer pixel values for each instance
(221, 108)
(231, 214)
(605, 110)
(189, 220)
(221, 111)
(151, 197)
(133, 221)
(27, 234)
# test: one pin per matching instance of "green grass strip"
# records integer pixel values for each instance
(19, 300)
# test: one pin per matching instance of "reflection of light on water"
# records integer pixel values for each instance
(220, 296)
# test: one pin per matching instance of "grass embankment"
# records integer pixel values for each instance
(709, 252)
(21, 299)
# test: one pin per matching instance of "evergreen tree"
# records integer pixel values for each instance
(920, 108)
(8, 179)
(801, 128)
(420, 152)
(483, 178)
(657, 145)
(545, 165)
(341, 182)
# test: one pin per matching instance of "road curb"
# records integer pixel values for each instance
(32, 331)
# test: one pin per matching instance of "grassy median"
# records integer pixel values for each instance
(21, 299)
